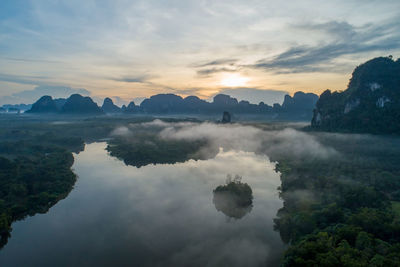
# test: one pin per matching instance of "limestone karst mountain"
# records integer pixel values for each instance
(371, 102)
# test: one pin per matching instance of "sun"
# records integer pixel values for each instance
(234, 80)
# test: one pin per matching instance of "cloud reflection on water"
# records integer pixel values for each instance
(154, 215)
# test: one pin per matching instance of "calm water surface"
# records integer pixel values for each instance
(157, 215)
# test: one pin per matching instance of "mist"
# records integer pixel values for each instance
(287, 141)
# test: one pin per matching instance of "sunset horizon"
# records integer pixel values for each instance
(134, 49)
(218, 133)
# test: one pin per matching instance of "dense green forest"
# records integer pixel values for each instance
(147, 147)
(33, 177)
(35, 165)
(342, 211)
(36, 159)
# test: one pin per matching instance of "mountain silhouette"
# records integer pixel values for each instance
(369, 104)
(77, 104)
(109, 107)
(45, 104)
(298, 107)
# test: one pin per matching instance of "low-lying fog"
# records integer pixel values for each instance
(164, 215)
(271, 142)
(154, 215)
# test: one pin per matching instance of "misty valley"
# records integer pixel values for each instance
(245, 133)
(137, 190)
(164, 204)
(314, 181)
(154, 215)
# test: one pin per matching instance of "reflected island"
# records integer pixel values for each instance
(234, 199)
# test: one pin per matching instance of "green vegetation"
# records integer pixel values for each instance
(337, 211)
(241, 192)
(396, 209)
(34, 180)
(36, 158)
(370, 104)
(147, 147)
(35, 166)
(234, 199)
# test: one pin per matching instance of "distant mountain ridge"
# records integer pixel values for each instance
(371, 102)
(75, 104)
(109, 107)
(298, 107)
(45, 104)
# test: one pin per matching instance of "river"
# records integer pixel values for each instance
(157, 215)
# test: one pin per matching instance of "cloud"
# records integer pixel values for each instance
(230, 253)
(135, 79)
(121, 131)
(118, 101)
(30, 96)
(157, 123)
(208, 72)
(138, 100)
(293, 143)
(274, 143)
(216, 66)
(342, 30)
(345, 38)
(174, 201)
(133, 36)
(31, 60)
(224, 61)
(23, 79)
(255, 96)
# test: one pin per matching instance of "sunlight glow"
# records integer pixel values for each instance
(234, 80)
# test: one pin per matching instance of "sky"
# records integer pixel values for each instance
(134, 49)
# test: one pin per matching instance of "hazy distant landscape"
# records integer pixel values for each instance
(328, 189)
(199, 133)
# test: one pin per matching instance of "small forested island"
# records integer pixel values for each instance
(234, 198)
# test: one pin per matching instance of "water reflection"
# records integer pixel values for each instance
(158, 215)
(234, 198)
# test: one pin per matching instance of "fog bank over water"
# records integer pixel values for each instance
(242, 137)
(156, 215)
